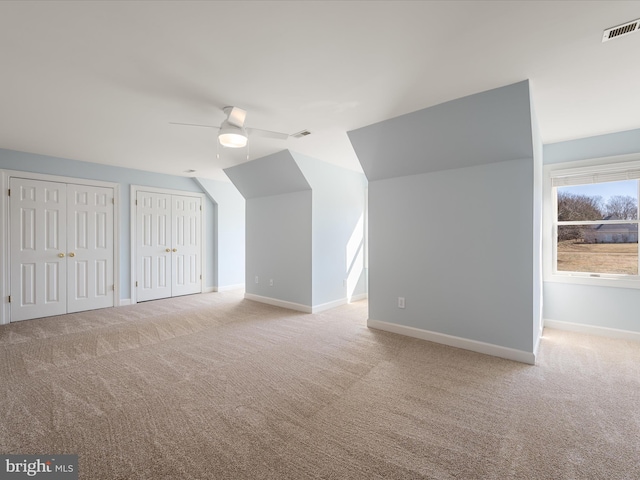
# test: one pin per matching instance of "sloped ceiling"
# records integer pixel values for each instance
(100, 81)
(487, 127)
(274, 174)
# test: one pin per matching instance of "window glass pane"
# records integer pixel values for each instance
(605, 248)
(598, 201)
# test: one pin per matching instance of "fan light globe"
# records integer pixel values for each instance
(232, 136)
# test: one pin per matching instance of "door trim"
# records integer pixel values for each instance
(5, 254)
(133, 226)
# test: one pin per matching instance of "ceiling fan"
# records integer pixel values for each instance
(232, 132)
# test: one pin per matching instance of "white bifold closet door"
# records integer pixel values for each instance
(186, 248)
(90, 246)
(61, 248)
(168, 245)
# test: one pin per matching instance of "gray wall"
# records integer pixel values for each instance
(337, 229)
(279, 247)
(609, 307)
(278, 227)
(458, 246)
(229, 244)
(619, 143)
(451, 218)
(304, 228)
(126, 177)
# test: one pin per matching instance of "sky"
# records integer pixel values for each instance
(605, 190)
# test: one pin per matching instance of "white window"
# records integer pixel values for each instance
(591, 216)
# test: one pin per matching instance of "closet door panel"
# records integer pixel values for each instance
(90, 247)
(38, 249)
(153, 246)
(187, 248)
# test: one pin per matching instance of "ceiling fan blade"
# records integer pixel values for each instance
(193, 125)
(258, 132)
(235, 115)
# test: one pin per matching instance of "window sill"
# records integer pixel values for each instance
(619, 282)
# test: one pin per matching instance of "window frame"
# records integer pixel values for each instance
(550, 238)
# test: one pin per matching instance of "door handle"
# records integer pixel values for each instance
(61, 255)
(175, 249)
(72, 254)
(168, 250)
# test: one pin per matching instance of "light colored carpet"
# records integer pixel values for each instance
(216, 387)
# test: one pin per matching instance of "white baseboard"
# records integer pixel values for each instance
(593, 330)
(458, 342)
(226, 288)
(209, 289)
(328, 306)
(299, 307)
(124, 301)
(357, 298)
(336, 303)
(278, 303)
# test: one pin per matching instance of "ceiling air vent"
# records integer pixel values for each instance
(301, 134)
(620, 30)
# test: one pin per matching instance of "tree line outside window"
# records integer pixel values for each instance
(575, 207)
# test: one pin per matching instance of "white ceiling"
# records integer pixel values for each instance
(100, 81)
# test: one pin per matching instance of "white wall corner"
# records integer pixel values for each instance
(458, 342)
(536, 347)
(593, 330)
(278, 303)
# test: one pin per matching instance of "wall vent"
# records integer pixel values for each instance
(301, 134)
(621, 30)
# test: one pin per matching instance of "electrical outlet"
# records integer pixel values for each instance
(271, 282)
(400, 302)
(257, 279)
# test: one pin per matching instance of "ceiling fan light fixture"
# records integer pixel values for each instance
(232, 136)
(232, 140)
